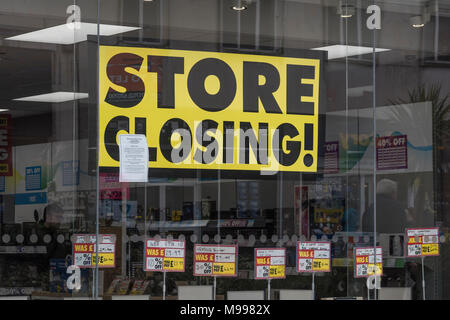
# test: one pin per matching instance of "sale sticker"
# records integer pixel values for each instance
(111, 188)
(165, 255)
(105, 259)
(392, 152)
(270, 263)
(422, 242)
(313, 256)
(84, 250)
(215, 260)
(331, 157)
(364, 264)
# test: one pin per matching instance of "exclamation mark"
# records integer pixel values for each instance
(309, 144)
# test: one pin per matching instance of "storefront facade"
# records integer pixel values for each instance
(290, 143)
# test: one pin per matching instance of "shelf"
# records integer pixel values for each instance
(188, 224)
(211, 224)
(23, 249)
(131, 297)
(388, 262)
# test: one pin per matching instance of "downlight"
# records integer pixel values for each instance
(346, 10)
(417, 22)
(240, 5)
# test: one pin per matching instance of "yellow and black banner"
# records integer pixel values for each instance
(210, 110)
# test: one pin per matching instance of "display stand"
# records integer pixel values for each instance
(423, 277)
(422, 242)
(268, 289)
(131, 297)
(15, 298)
(246, 295)
(164, 285)
(193, 292)
(43, 295)
(312, 257)
(214, 288)
(294, 294)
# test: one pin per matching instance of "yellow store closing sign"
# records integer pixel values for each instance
(210, 110)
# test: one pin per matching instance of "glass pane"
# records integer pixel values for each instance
(47, 192)
(276, 131)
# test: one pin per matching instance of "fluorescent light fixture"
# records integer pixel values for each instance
(55, 97)
(340, 51)
(4, 110)
(70, 33)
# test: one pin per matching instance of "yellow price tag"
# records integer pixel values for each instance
(105, 259)
(224, 268)
(173, 264)
(277, 271)
(430, 249)
(321, 265)
(379, 269)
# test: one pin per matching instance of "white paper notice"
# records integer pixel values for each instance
(133, 151)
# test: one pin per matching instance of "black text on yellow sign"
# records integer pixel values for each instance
(210, 110)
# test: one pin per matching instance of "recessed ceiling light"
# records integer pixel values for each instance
(238, 8)
(417, 21)
(70, 33)
(346, 10)
(240, 5)
(340, 51)
(55, 97)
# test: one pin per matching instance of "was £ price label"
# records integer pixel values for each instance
(165, 255)
(364, 264)
(215, 260)
(270, 263)
(422, 242)
(84, 250)
(313, 256)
